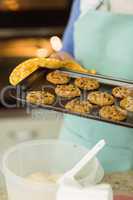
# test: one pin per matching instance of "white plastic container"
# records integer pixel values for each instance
(50, 156)
(95, 192)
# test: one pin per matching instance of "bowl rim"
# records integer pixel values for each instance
(22, 180)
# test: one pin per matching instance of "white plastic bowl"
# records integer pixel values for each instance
(52, 156)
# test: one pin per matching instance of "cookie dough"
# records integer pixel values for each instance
(58, 78)
(67, 91)
(87, 83)
(101, 98)
(40, 97)
(42, 177)
(113, 113)
(78, 106)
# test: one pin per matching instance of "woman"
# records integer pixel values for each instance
(97, 38)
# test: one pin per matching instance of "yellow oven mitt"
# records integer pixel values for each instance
(27, 67)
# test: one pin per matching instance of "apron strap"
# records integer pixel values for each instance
(108, 4)
(86, 5)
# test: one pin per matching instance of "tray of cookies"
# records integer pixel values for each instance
(85, 95)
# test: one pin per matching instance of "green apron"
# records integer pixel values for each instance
(104, 41)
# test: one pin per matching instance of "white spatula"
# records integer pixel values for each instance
(82, 163)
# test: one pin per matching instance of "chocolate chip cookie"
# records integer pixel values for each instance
(122, 92)
(67, 91)
(101, 98)
(58, 78)
(87, 83)
(127, 104)
(113, 113)
(78, 106)
(40, 97)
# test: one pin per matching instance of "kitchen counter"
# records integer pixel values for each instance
(3, 195)
(122, 183)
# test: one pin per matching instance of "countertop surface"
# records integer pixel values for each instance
(122, 184)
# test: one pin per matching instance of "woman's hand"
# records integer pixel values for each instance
(62, 56)
(70, 63)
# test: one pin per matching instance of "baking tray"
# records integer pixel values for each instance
(37, 81)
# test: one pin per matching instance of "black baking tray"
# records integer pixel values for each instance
(37, 81)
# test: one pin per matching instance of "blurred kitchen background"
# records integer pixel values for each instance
(28, 28)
